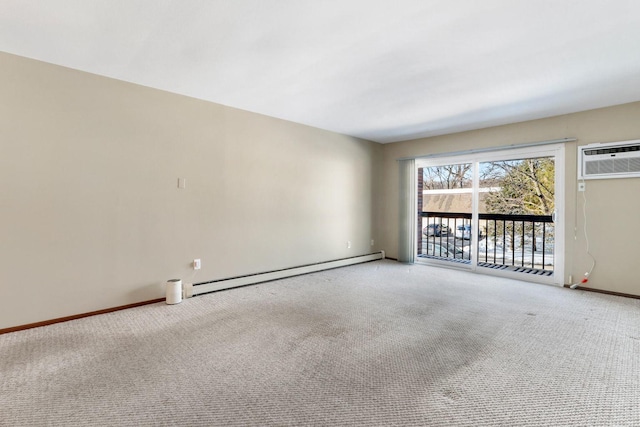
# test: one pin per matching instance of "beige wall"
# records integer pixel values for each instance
(91, 214)
(613, 206)
(92, 217)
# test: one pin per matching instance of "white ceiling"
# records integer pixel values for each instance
(384, 70)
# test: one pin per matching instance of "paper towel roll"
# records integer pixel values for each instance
(174, 291)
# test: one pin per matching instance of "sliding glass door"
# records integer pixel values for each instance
(516, 215)
(445, 202)
(493, 213)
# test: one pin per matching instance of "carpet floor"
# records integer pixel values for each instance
(376, 344)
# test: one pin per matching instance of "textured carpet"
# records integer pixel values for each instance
(374, 344)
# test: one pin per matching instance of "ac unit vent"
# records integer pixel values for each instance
(609, 160)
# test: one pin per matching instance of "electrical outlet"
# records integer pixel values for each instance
(372, 242)
(349, 244)
(582, 186)
(197, 264)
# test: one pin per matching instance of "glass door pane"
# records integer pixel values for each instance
(445, 198)
(516, 203)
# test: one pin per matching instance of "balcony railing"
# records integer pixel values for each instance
(515, 242)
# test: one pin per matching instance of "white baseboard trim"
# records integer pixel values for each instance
(217, 285)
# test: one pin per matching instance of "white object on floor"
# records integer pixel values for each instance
(174, 291)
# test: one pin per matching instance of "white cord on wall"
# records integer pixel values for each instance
(586, 238)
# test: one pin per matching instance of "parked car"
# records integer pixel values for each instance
(464, 232)
(435, 230)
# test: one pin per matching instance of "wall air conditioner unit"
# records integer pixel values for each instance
(609, 160)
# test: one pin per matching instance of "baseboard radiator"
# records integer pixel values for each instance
(234, 282)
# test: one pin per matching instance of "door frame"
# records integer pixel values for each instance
(557, 151)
